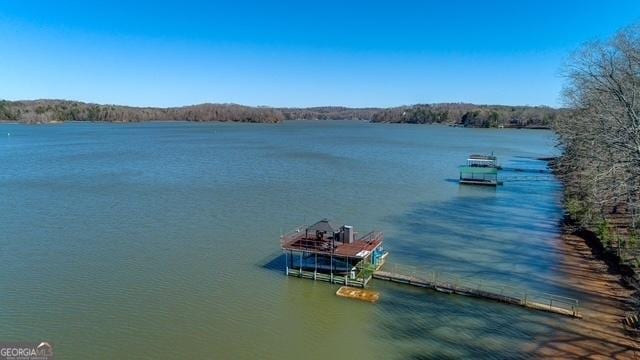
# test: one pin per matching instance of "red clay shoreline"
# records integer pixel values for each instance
(600, 333)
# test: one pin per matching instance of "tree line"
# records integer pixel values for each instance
(472, 115)
(329, 113)
(600, 140)
(43, 111)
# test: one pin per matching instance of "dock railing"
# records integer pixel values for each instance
(512, 178)
(449, 283)
(372, 236)
(293, 233)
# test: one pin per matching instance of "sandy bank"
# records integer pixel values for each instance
(599, 335)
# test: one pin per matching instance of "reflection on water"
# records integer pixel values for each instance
(160, 240)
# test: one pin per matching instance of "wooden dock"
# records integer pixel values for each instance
(537, 301)
(513, 178)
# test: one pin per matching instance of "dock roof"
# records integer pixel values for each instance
(482, 157)
(324, 226)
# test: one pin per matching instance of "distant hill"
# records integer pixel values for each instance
(46, 111)
(329, 113)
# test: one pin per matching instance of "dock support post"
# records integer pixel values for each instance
(331, 265)
(286, 263)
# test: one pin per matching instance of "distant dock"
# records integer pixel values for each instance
(480, 170)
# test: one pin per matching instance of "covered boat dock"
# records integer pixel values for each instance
(325, 252)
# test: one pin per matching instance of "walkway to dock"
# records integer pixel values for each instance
(512, 178)
(505, 294)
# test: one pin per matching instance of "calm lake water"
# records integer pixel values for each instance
(160, 240)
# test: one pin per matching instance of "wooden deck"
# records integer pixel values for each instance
(543, 302)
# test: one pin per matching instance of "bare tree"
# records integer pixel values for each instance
(601, 135)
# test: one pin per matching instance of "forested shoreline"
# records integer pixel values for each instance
(458, 114)
(600, 140)
(47, 111)
(472, 115)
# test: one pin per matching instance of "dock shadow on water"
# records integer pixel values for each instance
(500, 236)
(274, 262)
(506, 236)
(457, 327)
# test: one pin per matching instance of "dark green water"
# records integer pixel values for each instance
(158, 240)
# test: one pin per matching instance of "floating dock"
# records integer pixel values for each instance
(537, 301)
(480, 170)
(358, 294)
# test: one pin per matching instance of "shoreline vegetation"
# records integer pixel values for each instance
(600, 139)
(454, 114)
(600, 170)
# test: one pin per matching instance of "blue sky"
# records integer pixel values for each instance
(297, 53)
